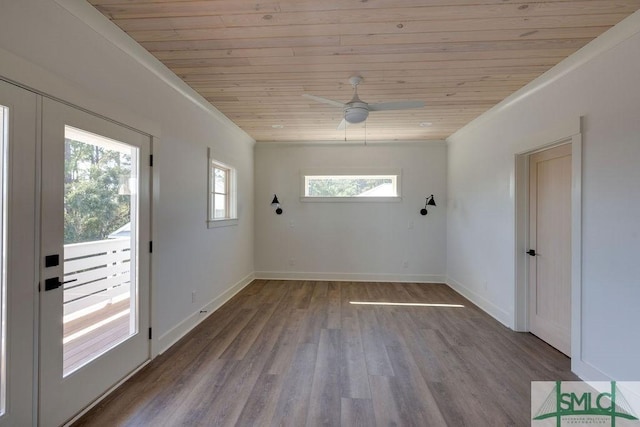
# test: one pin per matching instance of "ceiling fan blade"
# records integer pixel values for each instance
(400, 105)
(325, 100)
(343, 124)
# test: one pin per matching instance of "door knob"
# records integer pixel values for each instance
(532, 252)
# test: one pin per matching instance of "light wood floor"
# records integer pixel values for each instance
(299, 353)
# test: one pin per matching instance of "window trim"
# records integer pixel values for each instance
(304, 173)
(231, 192)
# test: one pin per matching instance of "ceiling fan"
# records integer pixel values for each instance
(357, 111)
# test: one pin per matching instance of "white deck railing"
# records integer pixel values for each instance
(96, 273)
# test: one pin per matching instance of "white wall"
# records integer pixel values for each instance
(351, 241)
(480, 237)
(44, 46)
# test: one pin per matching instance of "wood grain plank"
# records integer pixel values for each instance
(334, 299)
(293, 402)
(325, 400)
(458, 377)
(196, 27)
(261, 403)
(433, 13)
(416, 404)
(375, 351)
(284, 349)
(218, 32)
(317, 316)
(186, 8)
(385, 406)
(354, 376)
(556, 54)
(521, 46)
(374, 39)
(357, 413)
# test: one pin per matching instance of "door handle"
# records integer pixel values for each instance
(52, 283)
(55, 283)
(532, 252)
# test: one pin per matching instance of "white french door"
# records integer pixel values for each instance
(18, 263)
(95, 224)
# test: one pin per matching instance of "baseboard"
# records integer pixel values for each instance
(172, 336)
(588, 372)
(487, 306)
(350, 277)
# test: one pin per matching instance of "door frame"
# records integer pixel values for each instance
(567, 132)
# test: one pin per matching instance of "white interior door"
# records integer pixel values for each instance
(550, 243)
(18, 260)
(94, 299)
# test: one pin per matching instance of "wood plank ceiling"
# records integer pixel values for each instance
(253, 60)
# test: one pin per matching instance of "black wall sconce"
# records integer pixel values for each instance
(276, 203)
(429, 202)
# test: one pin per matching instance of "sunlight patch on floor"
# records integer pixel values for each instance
(407, 304)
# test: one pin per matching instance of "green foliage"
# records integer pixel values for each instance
(93, 208)
(331, 187)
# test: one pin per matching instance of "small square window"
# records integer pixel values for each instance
(222, 194)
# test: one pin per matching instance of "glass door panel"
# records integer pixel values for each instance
(100, 219)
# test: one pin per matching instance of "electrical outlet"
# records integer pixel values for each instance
(193, 297)
(292, 262)
(405, 264)
(410, 225)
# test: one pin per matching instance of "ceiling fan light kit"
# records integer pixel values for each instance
(356, 113)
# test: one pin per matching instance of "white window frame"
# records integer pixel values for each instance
(395, 174)
(231, 192)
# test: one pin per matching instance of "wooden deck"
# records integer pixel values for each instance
(93, 334)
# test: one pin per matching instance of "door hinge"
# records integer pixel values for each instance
(150, 334)
(151, 247)
(151, 160)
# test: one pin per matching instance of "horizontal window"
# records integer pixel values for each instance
(347, 186)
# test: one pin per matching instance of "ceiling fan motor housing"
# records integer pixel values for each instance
(356, 112)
